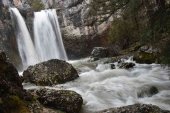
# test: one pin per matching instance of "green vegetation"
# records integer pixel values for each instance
(37, 5)
(13, 104)
(144, 21)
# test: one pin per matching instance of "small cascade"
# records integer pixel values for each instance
(47, 36)
(24, 41)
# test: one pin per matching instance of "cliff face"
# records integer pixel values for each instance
(80, 28)
(77, 18)
(83, 25)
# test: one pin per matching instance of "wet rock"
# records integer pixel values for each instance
(68, 101)
(137, 108)
(12, 95)
(49, 73)
(3, 56)
(100, 52)
(37, 107)
(112, 66)
(148, 55)
(10, 82)
(148, 92)
(126, 65)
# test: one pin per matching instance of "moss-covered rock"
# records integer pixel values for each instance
(148, 55)
(49, 73)
(137, 108)
(12, 95)
(143, 57)
(10, 82)
(100, 52)
(68, 101)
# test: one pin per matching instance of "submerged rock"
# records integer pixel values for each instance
(112, 66)
(148, 92)
(49, 73)
(137, 108)
(126, 65)
(68, 101)
(99, 52)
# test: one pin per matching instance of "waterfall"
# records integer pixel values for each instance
(24, 41)
(47, 36)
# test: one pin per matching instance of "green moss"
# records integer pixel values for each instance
(143, 57)
(37, 5)
(13, 104)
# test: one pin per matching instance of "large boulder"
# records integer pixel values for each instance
(12, 94)
(10, 82)
(148, 55)
(68, 101)
(100, 52)
(137, 108)
(49, 73)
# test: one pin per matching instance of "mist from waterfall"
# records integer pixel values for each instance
(25, 45)
(47, 36)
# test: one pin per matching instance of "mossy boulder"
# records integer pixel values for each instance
(10, 82)
(99, 52)
(12, 95)
(64, 100)
(136, 108)
(50, 73)
(147, 55)
(143, 57)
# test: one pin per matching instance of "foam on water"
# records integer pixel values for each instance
(103, 88)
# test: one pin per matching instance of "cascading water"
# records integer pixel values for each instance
(24, 41)
(102, 87)
(47, 36)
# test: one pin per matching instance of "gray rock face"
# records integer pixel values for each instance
(68, 101)
(7, 36)
(137, 108)
(49, 73)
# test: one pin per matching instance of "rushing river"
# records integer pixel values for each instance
(102, 87)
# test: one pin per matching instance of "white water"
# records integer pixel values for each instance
(24, 41)
(47, 36)
(103, 88)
